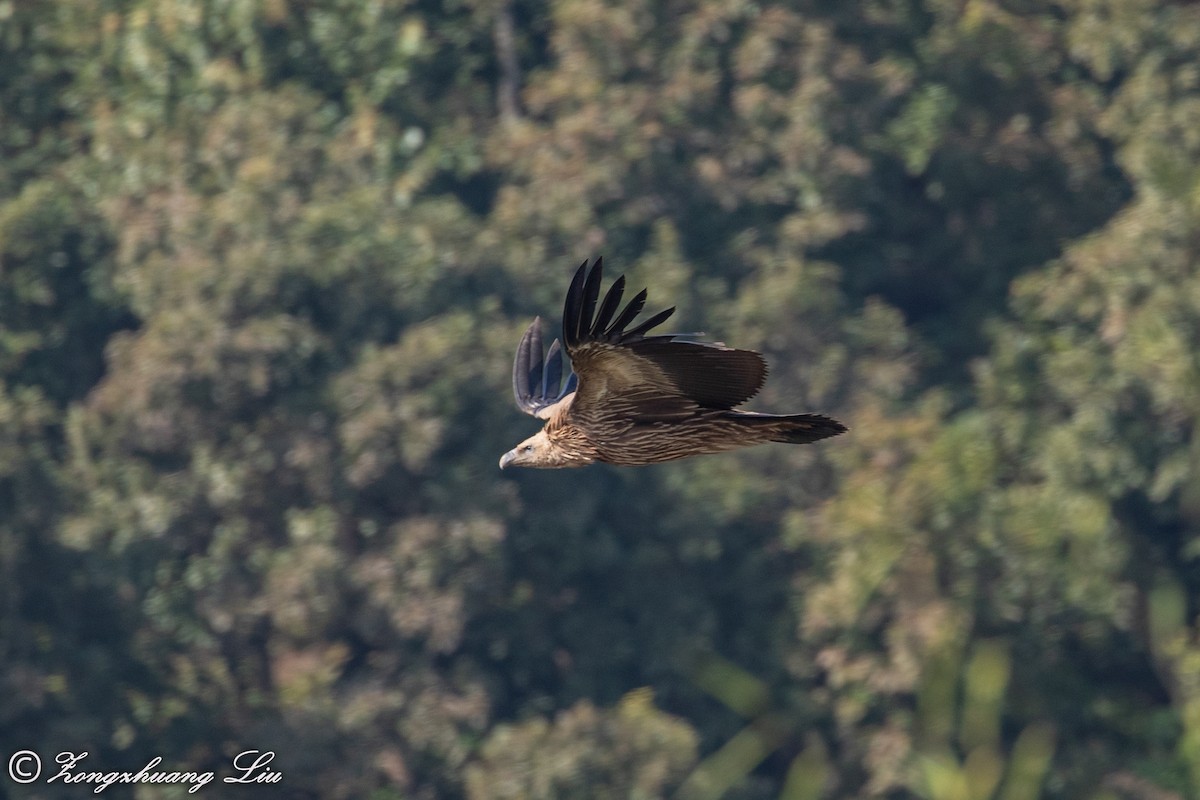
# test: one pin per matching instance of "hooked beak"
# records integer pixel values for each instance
(507, 458)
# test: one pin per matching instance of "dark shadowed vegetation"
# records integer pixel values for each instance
(263, 265)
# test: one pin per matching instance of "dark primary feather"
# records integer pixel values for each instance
(573, 308)
(612, 301)
(632, 310)
(653, 322)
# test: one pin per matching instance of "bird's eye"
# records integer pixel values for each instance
(527, 448)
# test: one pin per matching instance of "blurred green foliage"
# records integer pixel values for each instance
(262, 267)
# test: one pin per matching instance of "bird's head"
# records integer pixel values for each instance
(536, 451)
(566, 449)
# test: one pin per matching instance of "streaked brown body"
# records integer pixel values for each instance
(639, 444)
(636, 400)
(654, 442)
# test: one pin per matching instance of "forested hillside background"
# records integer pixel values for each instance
(263, 264)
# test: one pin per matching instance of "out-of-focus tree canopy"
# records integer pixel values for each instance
(263, 264)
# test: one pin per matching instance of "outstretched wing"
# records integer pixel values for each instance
(536, 383)
(625, 373)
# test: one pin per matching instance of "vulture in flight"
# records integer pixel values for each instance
(634, 399)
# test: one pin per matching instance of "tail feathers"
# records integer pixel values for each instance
(791, 428)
